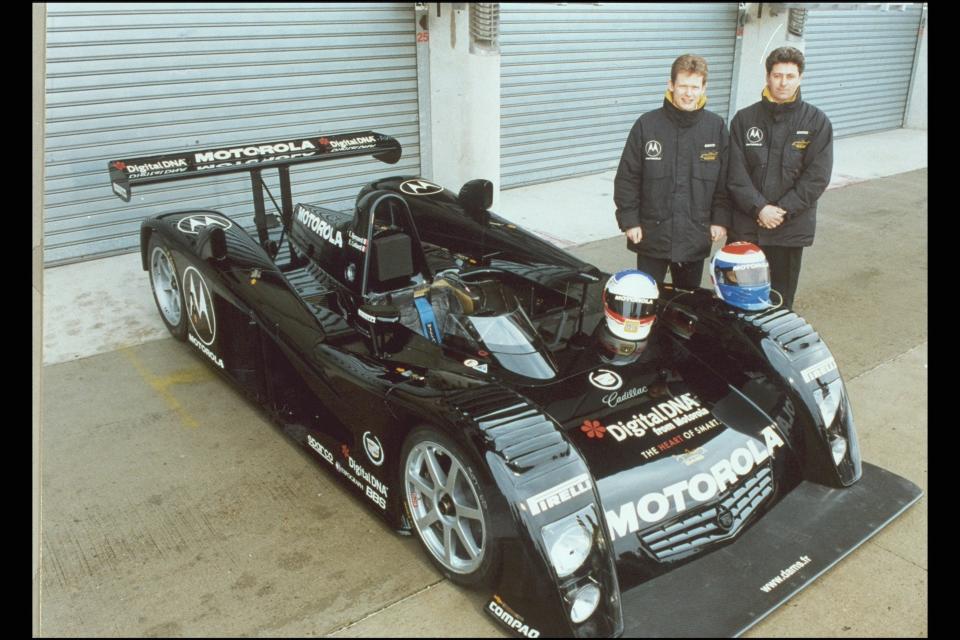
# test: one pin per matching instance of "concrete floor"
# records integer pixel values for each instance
(172, 507)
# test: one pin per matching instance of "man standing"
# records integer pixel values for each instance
(781, 156)
(669, 192)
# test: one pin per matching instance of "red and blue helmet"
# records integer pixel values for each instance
(630, 304)
(741, 276)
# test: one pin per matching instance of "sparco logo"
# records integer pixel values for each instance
(615, 398)
(755, 135)
(200, 306)
(559, 494)
(653, 149)
(420, 187)
(319, 226)
(606, 379)
(195, 224)
(512, 620)
(656, 505)
(238, 153)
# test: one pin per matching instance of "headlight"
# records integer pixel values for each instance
(828, 402)
(570, 540)
(584, 603)
(838, 447)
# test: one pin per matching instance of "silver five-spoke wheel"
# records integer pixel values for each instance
(165, 285)
(445, 507)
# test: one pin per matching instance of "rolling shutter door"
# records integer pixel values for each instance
(858, 66)
(574, 78)
(126, 80)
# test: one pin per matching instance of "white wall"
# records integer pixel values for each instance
(760, 36)
(464, 103)
(916, 116)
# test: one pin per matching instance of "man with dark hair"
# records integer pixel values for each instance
(781, 157)
(669, 189)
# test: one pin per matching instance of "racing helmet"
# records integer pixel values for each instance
(741, 276)
(630, 304)
(617, 351)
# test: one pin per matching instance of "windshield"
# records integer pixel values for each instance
(498, 325)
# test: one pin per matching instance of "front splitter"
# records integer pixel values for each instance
(731, 589)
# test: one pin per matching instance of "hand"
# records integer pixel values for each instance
(634, 234)
(771, 216)
(717, 232)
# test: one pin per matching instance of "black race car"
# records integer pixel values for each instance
(452, 369)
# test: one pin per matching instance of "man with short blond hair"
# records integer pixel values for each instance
(669, 188)
(781, 158)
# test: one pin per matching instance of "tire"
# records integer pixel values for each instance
(447, 507)
(165, 285)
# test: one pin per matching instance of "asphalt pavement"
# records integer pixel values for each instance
(173, 507)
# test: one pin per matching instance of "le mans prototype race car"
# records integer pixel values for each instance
(450, 368)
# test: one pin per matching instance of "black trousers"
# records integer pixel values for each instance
(784, 271)
(686, 275)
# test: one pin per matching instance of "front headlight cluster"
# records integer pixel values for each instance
(829, 399)
(569, 542)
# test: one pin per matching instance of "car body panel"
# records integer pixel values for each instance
(686, 463)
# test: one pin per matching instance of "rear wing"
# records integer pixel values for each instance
(124, 174)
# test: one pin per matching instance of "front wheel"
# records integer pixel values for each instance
(166, 287)
(447, 507)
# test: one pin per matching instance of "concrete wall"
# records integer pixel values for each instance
(464, 102)
(916, 117)
(761, 35)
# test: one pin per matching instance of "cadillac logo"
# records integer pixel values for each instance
(371, 444)
(724, 518)
(606, 379)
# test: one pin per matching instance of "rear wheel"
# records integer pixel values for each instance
(447, 507)
(166, 287)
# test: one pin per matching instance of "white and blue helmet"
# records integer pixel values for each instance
(630, 304)
(741, 276)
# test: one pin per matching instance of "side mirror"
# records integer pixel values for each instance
(476, 196)
(212, 243)
(379, 324)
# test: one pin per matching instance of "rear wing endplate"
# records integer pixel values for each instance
(124, 174)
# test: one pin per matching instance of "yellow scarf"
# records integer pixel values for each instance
(768, 96)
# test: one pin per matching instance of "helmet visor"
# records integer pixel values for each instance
(627, 307)
(747, 275)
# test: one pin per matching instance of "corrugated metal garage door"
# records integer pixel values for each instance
(129, 80)
(859, 65)
(574, 78)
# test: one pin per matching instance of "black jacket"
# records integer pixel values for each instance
(780, 154)
(667, 182)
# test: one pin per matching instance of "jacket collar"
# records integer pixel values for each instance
(680, 117)
(779, 109)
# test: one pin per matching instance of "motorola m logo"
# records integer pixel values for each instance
(200, 306)
(420, 187)
(653, 149)
(754, 135)
(196, 223)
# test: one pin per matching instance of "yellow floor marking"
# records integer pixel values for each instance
(162, 384)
